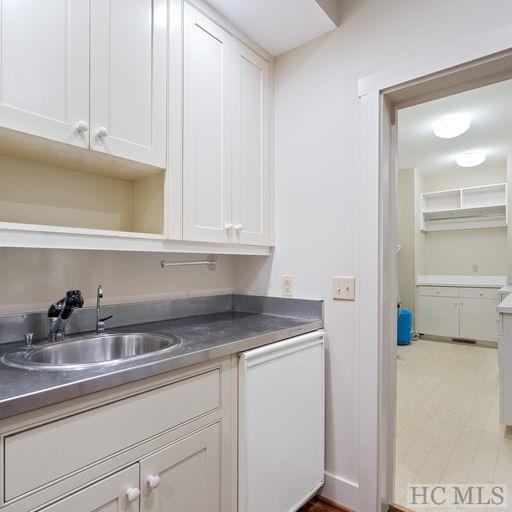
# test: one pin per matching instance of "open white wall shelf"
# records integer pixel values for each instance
(465, 208)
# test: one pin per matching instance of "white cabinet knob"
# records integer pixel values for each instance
(132, 494)
(82, 126)
(153, 481)
(228, 226)
(238, 227)
(102, 132)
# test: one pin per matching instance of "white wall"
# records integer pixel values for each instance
(32, 279)
(420, 236)
(316, 125)
(456, 252)
(470, 177)
(406, 237)
(509, 217)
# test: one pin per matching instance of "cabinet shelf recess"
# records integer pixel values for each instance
(465, 208)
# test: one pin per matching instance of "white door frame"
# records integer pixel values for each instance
(478, 61)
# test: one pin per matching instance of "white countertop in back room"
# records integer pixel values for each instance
(506, 305)
(469, 281)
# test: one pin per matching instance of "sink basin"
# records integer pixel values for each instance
(105, 349)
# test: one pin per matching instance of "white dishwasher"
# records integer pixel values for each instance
(281, 424)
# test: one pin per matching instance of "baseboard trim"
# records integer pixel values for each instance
(341, 490)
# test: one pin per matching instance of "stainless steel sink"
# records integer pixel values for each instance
(86, 352)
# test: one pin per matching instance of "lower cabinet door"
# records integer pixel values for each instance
(479, 319)
(184, 476)
(439, 316)
(116, 493)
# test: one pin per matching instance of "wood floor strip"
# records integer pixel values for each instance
(399, 508)
(321, 504)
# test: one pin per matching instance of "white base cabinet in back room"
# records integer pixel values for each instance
(281, 424)
(458, 312)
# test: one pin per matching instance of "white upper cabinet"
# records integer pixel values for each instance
(251, 147)
(206, 129)
(226, 143)
(44, 68)
(161, 107)
(128, 79)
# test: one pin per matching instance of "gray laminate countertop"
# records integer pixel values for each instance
(204, 338)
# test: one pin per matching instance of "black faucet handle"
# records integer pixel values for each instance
(55, 309)
(74, 299)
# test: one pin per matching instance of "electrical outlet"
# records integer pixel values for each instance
(287, 286)
(344, 288)
(475, 268)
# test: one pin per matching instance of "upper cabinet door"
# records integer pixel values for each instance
(44, 68)
(251, 147)
(185, 476)
(207, 129)
(128, 79)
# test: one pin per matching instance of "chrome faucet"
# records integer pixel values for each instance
(100, 322)
(60, 312)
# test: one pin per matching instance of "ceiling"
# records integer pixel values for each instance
(279, 25)
(491, 130)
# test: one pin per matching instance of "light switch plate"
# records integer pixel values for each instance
(287, 286)
(343, 288)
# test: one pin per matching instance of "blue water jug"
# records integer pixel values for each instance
(405, 322)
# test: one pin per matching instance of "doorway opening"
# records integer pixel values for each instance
(454, 164)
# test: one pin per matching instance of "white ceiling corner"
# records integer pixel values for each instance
(280, 25)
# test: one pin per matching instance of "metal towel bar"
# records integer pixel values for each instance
(211, 262)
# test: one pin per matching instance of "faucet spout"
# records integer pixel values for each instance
(100, 322)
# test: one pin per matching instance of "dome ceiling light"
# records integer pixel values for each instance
(451, 125)
(471, 158)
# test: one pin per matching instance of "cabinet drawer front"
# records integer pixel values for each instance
(38, 456)
(479, 293)
(439, 291)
